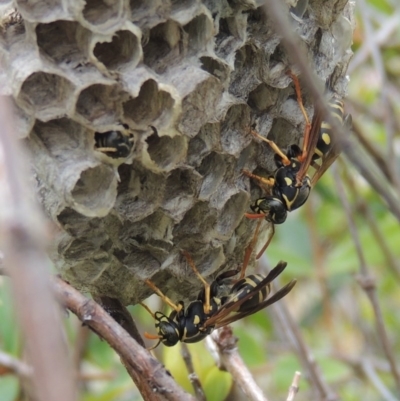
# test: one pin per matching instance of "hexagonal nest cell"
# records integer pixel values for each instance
(45, 95)
(100, 104)
(124, 48)
(186, 80)
(62, 41)
(151, 107)
(97, 12)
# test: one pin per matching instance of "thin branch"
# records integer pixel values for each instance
(293, 334)
(22, 241)
(81, 341)
(194, 379)
(379, 38)
(373, 151)
(13, 365)
(379, 65)
(222, 345)
(367, 283)
(292, 43)
(365, 367)
(294, 388)
(364, 210)
(151, 378)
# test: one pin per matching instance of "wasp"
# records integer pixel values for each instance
(116, 144)
(246, 296)
(289, 186)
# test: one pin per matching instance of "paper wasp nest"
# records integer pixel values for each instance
(189, 78)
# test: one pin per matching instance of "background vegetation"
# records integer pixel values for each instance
(346, 302)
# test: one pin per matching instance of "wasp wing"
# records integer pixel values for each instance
(331, 156)
(312, 143)
(240, 315)
(233, 304)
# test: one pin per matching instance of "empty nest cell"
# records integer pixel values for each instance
(124, 48)
(100, 104)
(247, 74)
(98, 12)
(232, 214)
(141, 15)
(46, 95)
(95, 191)
(213, 169)
(235, 129)
(40, 10)
(140, 193)
(59, 41)
(163, 47)
(181, 189)
(263, 97)
(216, 67)
(151, 106)
(166, 152)
(203, 143)
(199, 30)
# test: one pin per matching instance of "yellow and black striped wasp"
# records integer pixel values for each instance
(289, 186)
(246, 296)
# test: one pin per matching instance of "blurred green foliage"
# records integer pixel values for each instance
(333, 312)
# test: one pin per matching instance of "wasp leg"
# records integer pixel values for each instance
(148, 309)
(273, 145)
(263, 249)
(255, 215)
(207, 304)
(249, 251)
(263, 180)
(162, 296)
(148, 335)
(303, 110)
(105, 150)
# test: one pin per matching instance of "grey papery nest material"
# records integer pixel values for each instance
(201, 73)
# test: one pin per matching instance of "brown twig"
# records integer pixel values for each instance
(364, 210)
(194, 379)
(151, 378)
(292, 43)
(379, 38)
(294, 388)
(318, 254)
(23, 243)
(367, 283)
(13, 365)
(81, 341)
(372, 150)
(294, 336)
(365, 367)
(222, 345)
(385, 101)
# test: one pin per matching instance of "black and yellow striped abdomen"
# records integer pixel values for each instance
(324, 143)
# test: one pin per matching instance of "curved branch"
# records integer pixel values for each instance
(151, 378)
(222, 345)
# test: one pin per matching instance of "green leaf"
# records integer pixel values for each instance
(217, 384)
(9, 388)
